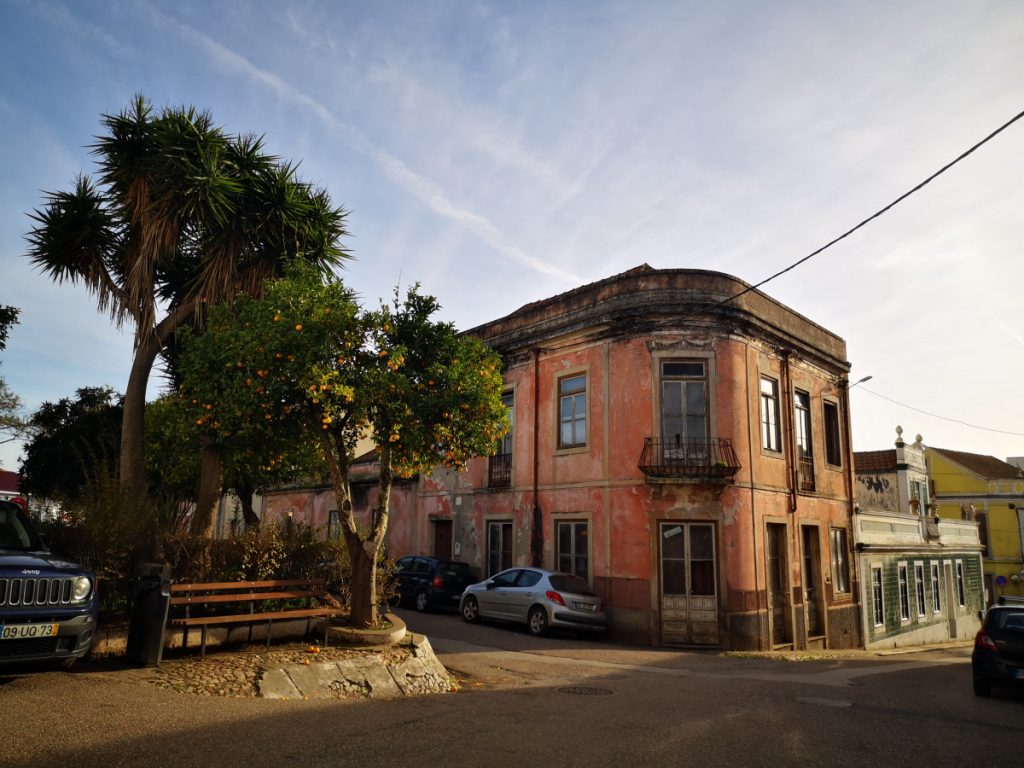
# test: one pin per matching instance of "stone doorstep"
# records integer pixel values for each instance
(365, 678)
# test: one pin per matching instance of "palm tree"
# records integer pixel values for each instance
(181, 216)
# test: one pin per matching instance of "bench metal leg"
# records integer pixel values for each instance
(202, 652)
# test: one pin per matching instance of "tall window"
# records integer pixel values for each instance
(804, 444)
(877, 599)
(936, 590)
(904, 593)
(833, 435)
(960, 596)
(499, 546)
(919, 583)
(573, 549)
(771, 439)
(500, 465)
(684, 411)
(840, 566)
(572, 411)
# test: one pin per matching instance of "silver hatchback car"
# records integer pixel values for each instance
(537, 598)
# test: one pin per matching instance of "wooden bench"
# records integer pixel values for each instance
(228, 603)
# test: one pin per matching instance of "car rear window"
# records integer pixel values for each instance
(1012, 621)
(458, 570)
(565, 583)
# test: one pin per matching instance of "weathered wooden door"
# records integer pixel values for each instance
(813, 593)
(778, 584)
(689, 597)
(443, 539)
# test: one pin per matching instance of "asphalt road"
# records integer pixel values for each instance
(557, 700)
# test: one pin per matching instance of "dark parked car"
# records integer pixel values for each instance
(537, 598)
(47, 605)
(998, 657)
(429, 582)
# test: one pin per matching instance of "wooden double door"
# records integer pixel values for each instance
(688, 583)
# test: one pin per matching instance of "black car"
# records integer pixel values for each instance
(430, 582)
(47, 605)
(998, 657)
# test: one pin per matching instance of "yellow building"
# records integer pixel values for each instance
(991, 491)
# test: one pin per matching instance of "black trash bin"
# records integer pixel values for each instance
(149, 615)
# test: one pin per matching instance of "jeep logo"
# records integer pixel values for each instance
(29, 572)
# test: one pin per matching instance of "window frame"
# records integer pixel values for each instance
(573, 523)
(903, 578)
(500, 521)
(936, 582)
(683, 379)
(961, 585)
(840, 561)
(877, 596)
(833, 433)
(771, 415)
(574, 419)
(920, 588)
(803, 441)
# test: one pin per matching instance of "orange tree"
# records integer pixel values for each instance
(305, 355)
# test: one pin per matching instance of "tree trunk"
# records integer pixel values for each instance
(362, 552)
(148, 344)
(245, 493)
(211, 477)
(363, 592)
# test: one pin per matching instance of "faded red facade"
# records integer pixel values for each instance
(687, 455)
(691, 460)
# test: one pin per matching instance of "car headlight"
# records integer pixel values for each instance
(82, 588)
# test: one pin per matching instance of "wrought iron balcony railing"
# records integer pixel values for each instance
(499, 471)
(805, 473)
(688, 457)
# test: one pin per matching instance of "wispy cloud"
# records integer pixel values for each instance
(427, 191)
(59, 15)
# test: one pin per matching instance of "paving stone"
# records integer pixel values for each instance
(276, 684)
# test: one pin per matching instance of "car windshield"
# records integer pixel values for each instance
(574, 584)
(458, 570)
(15, 530)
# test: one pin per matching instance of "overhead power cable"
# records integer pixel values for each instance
(869, 219)
(944, 418)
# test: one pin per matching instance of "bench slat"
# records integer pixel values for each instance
(250, 585)
(248, 618)
(243, 598)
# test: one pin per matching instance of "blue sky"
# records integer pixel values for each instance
(503, 152)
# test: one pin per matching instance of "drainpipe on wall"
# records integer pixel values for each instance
(844, 398)
(536, 532)
(753, 515)
(787, 425)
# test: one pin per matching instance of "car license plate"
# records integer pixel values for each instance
(27, 631)
(585, 607)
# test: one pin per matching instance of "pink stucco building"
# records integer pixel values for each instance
(680, 441)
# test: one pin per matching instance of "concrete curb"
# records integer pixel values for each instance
(372, 677)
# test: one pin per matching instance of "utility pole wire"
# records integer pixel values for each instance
(869, 219)
(944, 418)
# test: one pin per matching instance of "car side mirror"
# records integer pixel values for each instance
(490, 584)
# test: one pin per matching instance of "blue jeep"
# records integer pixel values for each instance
(47, 605)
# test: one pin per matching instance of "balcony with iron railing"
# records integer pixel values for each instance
(694, 458)
(499, 471)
